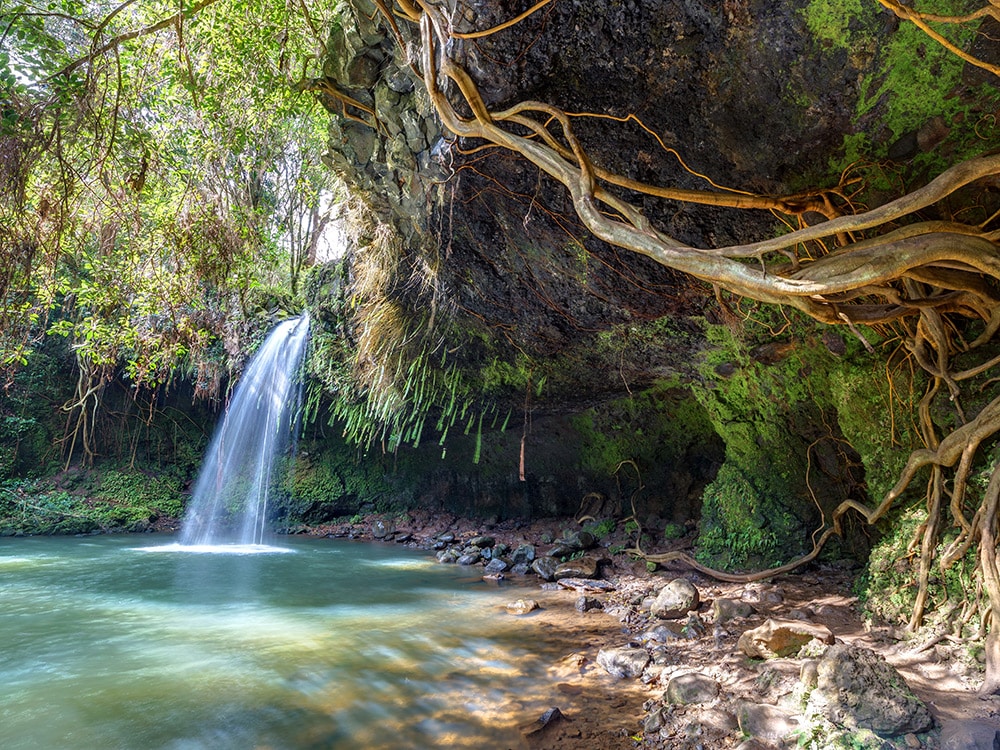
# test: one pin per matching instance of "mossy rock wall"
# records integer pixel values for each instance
(572, 466)
(776, 388)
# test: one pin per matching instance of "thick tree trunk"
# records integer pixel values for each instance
(991, 582)
(991, 682)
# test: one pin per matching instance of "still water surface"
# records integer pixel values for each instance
(105, 643)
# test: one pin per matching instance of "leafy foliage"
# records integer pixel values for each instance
(163, 181)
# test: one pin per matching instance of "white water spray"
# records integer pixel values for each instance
(229, 504)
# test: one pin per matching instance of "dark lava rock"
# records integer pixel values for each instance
(582, 567)
(523, 554)
(545, 567)
(496, 565)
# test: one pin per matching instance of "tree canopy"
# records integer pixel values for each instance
(158, 170)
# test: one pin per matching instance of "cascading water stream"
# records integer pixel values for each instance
(229, 504)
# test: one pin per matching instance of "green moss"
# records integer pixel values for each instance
(658, 424)
(741, 527)
(905, 79)
(327, 480)
(830, 21)
(123, 501)
(151, 495)
(765, 387)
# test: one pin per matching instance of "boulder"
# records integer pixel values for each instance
(545, 567)
(776, 638)
(449, 555)
(691, 687)
(522, 606)
(661, 634)
(496, 565)
(766, 722)
(969, 735)
(482, 541)
(856, 688)
(724, 610)
(586, 584)
(523, 555)
(675, 600)
(582, 567)
(547, 718)
(624, 661)
(572, 543)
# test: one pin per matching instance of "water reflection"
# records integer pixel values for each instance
(335, 646)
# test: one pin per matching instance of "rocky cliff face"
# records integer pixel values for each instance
(743, 93)
(760, 95)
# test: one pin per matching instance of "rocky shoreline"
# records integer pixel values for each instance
(787, 663)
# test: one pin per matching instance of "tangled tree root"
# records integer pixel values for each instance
(885, 265)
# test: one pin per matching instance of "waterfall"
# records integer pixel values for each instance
(229, 504)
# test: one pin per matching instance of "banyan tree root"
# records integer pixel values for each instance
(885, 265)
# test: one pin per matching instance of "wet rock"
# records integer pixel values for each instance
(520, 569)
(724, 610)
(448, 556)
(549, 717)
(587, 603)
(624, 661)
(447, 537)
(692, 687)
(482, 542)
(524, 554)
(522, 606)
(856, 688)
(969, 735)
(776, 638)
(382, 530)
(496, 565)
(675, 600)
(766, 722)
(582, 567)
(469, 558)
(545, 567)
